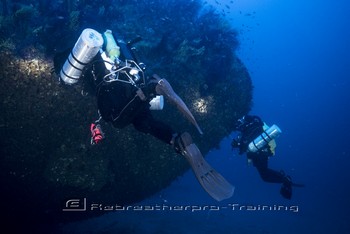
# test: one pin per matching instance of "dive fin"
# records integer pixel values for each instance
(164, 88)
(211, 180)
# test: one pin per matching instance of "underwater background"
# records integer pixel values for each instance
(297, 53)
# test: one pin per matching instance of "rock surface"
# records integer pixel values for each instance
(46, 156)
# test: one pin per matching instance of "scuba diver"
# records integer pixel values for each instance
(125, 95)
(256, 139)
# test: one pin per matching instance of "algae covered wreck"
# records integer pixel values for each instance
(46, 156)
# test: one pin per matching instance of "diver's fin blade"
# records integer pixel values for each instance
(164, 88)
(212, 182)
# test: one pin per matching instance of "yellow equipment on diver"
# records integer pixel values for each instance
(112, 49)
(272, 143)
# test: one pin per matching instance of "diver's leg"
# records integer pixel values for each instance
(147, 124)
(260, 161)
(211, 181)
(272, 176)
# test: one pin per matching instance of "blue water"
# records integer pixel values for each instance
(297, 53)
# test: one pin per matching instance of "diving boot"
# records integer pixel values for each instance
(286, 188)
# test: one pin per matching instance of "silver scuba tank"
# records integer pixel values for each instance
(263, 139)
(84, 50)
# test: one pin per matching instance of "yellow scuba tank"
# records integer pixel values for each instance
(112, 49)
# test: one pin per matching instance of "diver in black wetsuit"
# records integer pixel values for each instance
(123, 103)
(250, 128)
(124, 94)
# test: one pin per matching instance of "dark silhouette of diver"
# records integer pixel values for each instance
(258, 143)
(124, 93)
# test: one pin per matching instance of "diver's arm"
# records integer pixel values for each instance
(237, 143)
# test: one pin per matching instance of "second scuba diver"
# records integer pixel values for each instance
(124, 93)
(256, 139)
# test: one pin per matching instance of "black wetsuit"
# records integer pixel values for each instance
(250, 129)
(119, 102)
